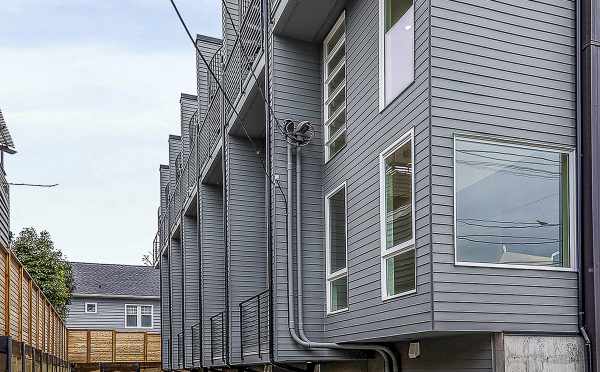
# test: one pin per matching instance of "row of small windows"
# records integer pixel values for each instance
(136, 316)
(396, 67)
(513, 209)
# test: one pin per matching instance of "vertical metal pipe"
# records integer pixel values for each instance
(290, 253)
(299, 268)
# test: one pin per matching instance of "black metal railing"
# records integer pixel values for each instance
(180, 349)
(217, 336)
(254, 325)
(196, 345)
(251, 34)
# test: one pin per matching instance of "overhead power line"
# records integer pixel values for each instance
(32, 184)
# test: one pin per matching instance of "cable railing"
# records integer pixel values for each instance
(251, 35)
(217, 337)
(254, 325)
(196, 345)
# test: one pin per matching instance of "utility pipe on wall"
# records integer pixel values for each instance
(386, 353)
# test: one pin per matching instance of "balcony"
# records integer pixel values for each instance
(196, 345)
(180, 350)
(217, 337)
(232, 65)
(254, 327)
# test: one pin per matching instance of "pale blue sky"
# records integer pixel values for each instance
(90, 90)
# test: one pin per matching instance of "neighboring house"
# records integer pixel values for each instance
(386, 183)
(114, 297)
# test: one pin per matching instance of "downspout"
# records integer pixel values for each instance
(301, 339)
(579, 214)
(265, 18)
(225, 232)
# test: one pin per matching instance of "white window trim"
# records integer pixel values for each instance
(326, 118)
(95, 307)
(329, 278)
(382, 103)
(410, 244)
(139, 316)
(572, 203)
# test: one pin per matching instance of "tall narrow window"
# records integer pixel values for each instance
(397, 218)
(131, 316)
(146, 316)
(334, 69)
(337, 270)
(514, 205)
(396, 48)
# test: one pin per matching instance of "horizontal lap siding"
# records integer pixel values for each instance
(192, 281)
(499, 68)
(212, 273)
(164, 306)
(110, 314)
(246, 231)
(369, 133)
(296, 89)
(176, 294)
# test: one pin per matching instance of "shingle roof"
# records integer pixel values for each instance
(6, 142)
(115, 280)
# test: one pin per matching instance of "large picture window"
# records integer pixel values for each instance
(334, 77)
(337, 269)
(398, 260)
(396, 48)
(513, 205)
(138, 316)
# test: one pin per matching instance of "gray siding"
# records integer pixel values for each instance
(212, 250)
(246, 231)
(296, 89)
(188, 105)
(176, 289)
(369, 132)
(174, 150)
(208, 46)
(191, 282)
(164, 309)
(499, 69)
(164, 180)
(110, 315)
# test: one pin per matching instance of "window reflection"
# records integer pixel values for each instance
(512, 205)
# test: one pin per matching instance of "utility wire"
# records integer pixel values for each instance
(32, 184)
(230, 103)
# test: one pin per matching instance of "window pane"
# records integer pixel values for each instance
(337, 231)
(399, 49)
(336, 58)
(339, 294)
(146, 310)
(337, 35)
(400, 273)
(131, 320)
(146, 321)
(337, 144)
(398, 196)
(394, 10)
(131, 310)
(512, 205)
(90, 308)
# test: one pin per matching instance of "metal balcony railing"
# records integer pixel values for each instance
(180, 350)
(217, 337)
(196, 345)
(231, 65)
(254, 325)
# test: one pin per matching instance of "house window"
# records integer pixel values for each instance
(138, 316)
(514, 205)
(91, 307)
(334, 70)
(396, 48)
(398, 260)
(337, 269)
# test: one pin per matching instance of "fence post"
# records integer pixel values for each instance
(7, 294)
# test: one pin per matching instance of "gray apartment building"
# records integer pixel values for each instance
(392, 185)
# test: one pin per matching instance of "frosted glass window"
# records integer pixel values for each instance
(513, 205)
(334, 79)
(398, 47)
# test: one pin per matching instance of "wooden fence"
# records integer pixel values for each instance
(26, 315)
(108, 346)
